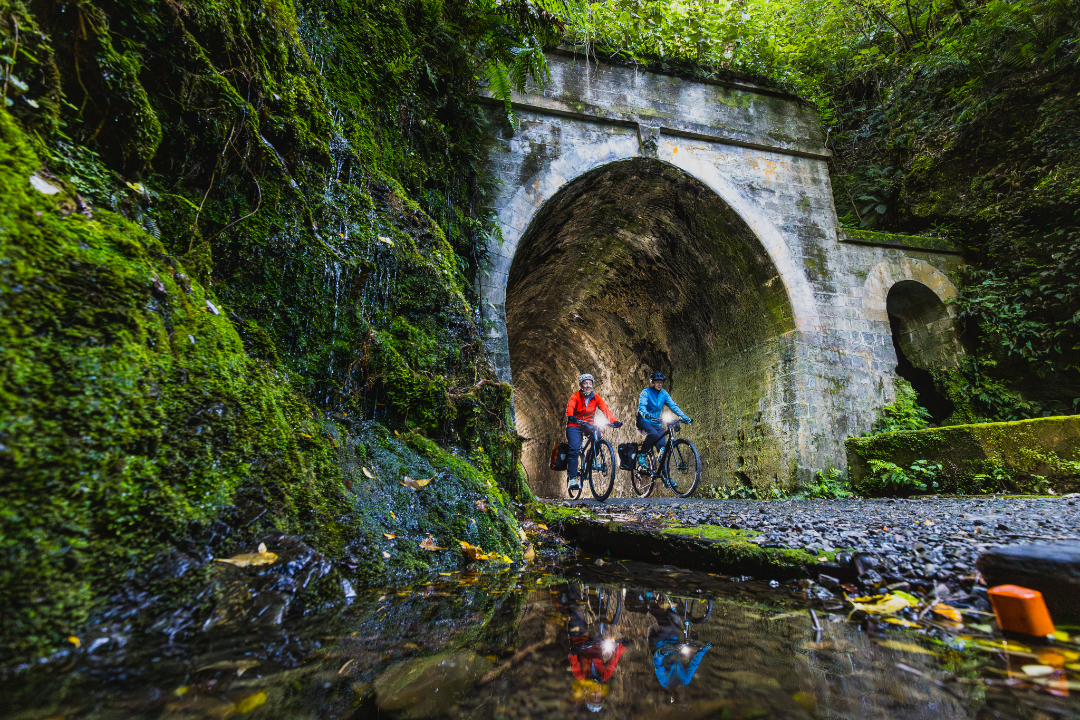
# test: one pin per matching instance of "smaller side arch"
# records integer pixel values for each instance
(911, 296)
(884, 275)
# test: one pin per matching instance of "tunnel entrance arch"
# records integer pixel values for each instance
(762, 152)
(637, 266)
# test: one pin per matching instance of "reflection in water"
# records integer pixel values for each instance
(569, 641)
(671, 658)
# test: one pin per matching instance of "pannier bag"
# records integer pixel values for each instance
(558, 456)
(628, 455)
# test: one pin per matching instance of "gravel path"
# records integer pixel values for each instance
(919, 541)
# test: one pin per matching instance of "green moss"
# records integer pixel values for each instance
(1021, 456)
(911, 242)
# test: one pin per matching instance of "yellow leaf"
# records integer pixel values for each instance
(1037, 670)
(902, 622)
(482, 505)
(905, 647)
(541, 526)
(385, 554)
(429, 544)
(446, 574)
(393, 515)
(386, 241)
(367, 473)
(262, 557)
(251, 702)
(947, 611)
(306, 435)
(390, 536)
(416, 484)
(530, 553)
(74, 641)
(886, 606)
(137, 187)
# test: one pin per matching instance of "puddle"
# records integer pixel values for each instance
(621, 639)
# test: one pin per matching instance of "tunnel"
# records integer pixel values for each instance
(925, 338)
(633, 267)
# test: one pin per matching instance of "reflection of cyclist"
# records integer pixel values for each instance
(651, 404)
(593, 661)
(668, 652)
(579, 416)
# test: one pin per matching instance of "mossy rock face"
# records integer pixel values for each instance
(1021, 456)
(132, 419)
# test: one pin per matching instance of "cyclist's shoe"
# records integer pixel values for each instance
(642, 462)
(573, 483)
(597, 464)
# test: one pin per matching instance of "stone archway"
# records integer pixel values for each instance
(637, 266)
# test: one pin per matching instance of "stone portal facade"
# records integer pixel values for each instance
(819, 373)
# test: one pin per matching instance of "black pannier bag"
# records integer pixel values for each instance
(559, 456)
(628, 455)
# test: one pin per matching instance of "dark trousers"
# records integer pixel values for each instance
(574, 433)
(652, 431)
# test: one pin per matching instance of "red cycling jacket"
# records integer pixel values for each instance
(583, 409)
(588, 661)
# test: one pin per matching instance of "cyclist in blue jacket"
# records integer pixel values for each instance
(651, 403)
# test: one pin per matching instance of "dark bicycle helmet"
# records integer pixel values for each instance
(658, 376)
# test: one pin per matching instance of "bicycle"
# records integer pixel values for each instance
(682, 479)
(597, 456)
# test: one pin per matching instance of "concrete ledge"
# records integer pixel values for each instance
(987, 457)
(709, 547)
(907, 242)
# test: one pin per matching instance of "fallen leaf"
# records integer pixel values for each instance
(393, 515)
(137, 187)
(416, 484)
(262, 557)
(385, 554)
(905, 647)
(887, 605)
(367, 473)
(385, 240)
(429, 544)
(947, 611)
(530, 553)
(482, 505)
(42, 185)
(390, 536)
(1037, 670)
(902, 622)
(250, 703)
(74, 641)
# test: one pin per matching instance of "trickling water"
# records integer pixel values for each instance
(623, 639)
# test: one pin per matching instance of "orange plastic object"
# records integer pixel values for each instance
(1020, 610)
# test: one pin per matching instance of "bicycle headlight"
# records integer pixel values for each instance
(667, 416)
(601, 422)
(608, 646)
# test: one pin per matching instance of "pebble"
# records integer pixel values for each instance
(919, 541)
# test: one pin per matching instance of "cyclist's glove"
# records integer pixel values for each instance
(617, 424)
(689, 421)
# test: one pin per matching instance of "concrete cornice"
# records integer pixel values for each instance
(549, 106)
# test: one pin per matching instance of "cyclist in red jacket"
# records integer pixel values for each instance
(579, 420)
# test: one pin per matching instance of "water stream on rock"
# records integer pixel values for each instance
(619, 638)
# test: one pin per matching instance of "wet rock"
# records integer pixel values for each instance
(1053, 570)
(427, 687)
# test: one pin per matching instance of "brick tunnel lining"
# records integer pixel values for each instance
(634, 267)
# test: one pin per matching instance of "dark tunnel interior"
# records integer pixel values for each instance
(637, 266)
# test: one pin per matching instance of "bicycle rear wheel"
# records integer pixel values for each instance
(602, 470)
(682, 467)
(643, 483)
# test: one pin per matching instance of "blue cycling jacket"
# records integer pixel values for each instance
(652, 401)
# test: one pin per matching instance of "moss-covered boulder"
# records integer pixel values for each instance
(1023, 456)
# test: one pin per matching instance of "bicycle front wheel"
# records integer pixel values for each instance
(683, 467)
(602, 475)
